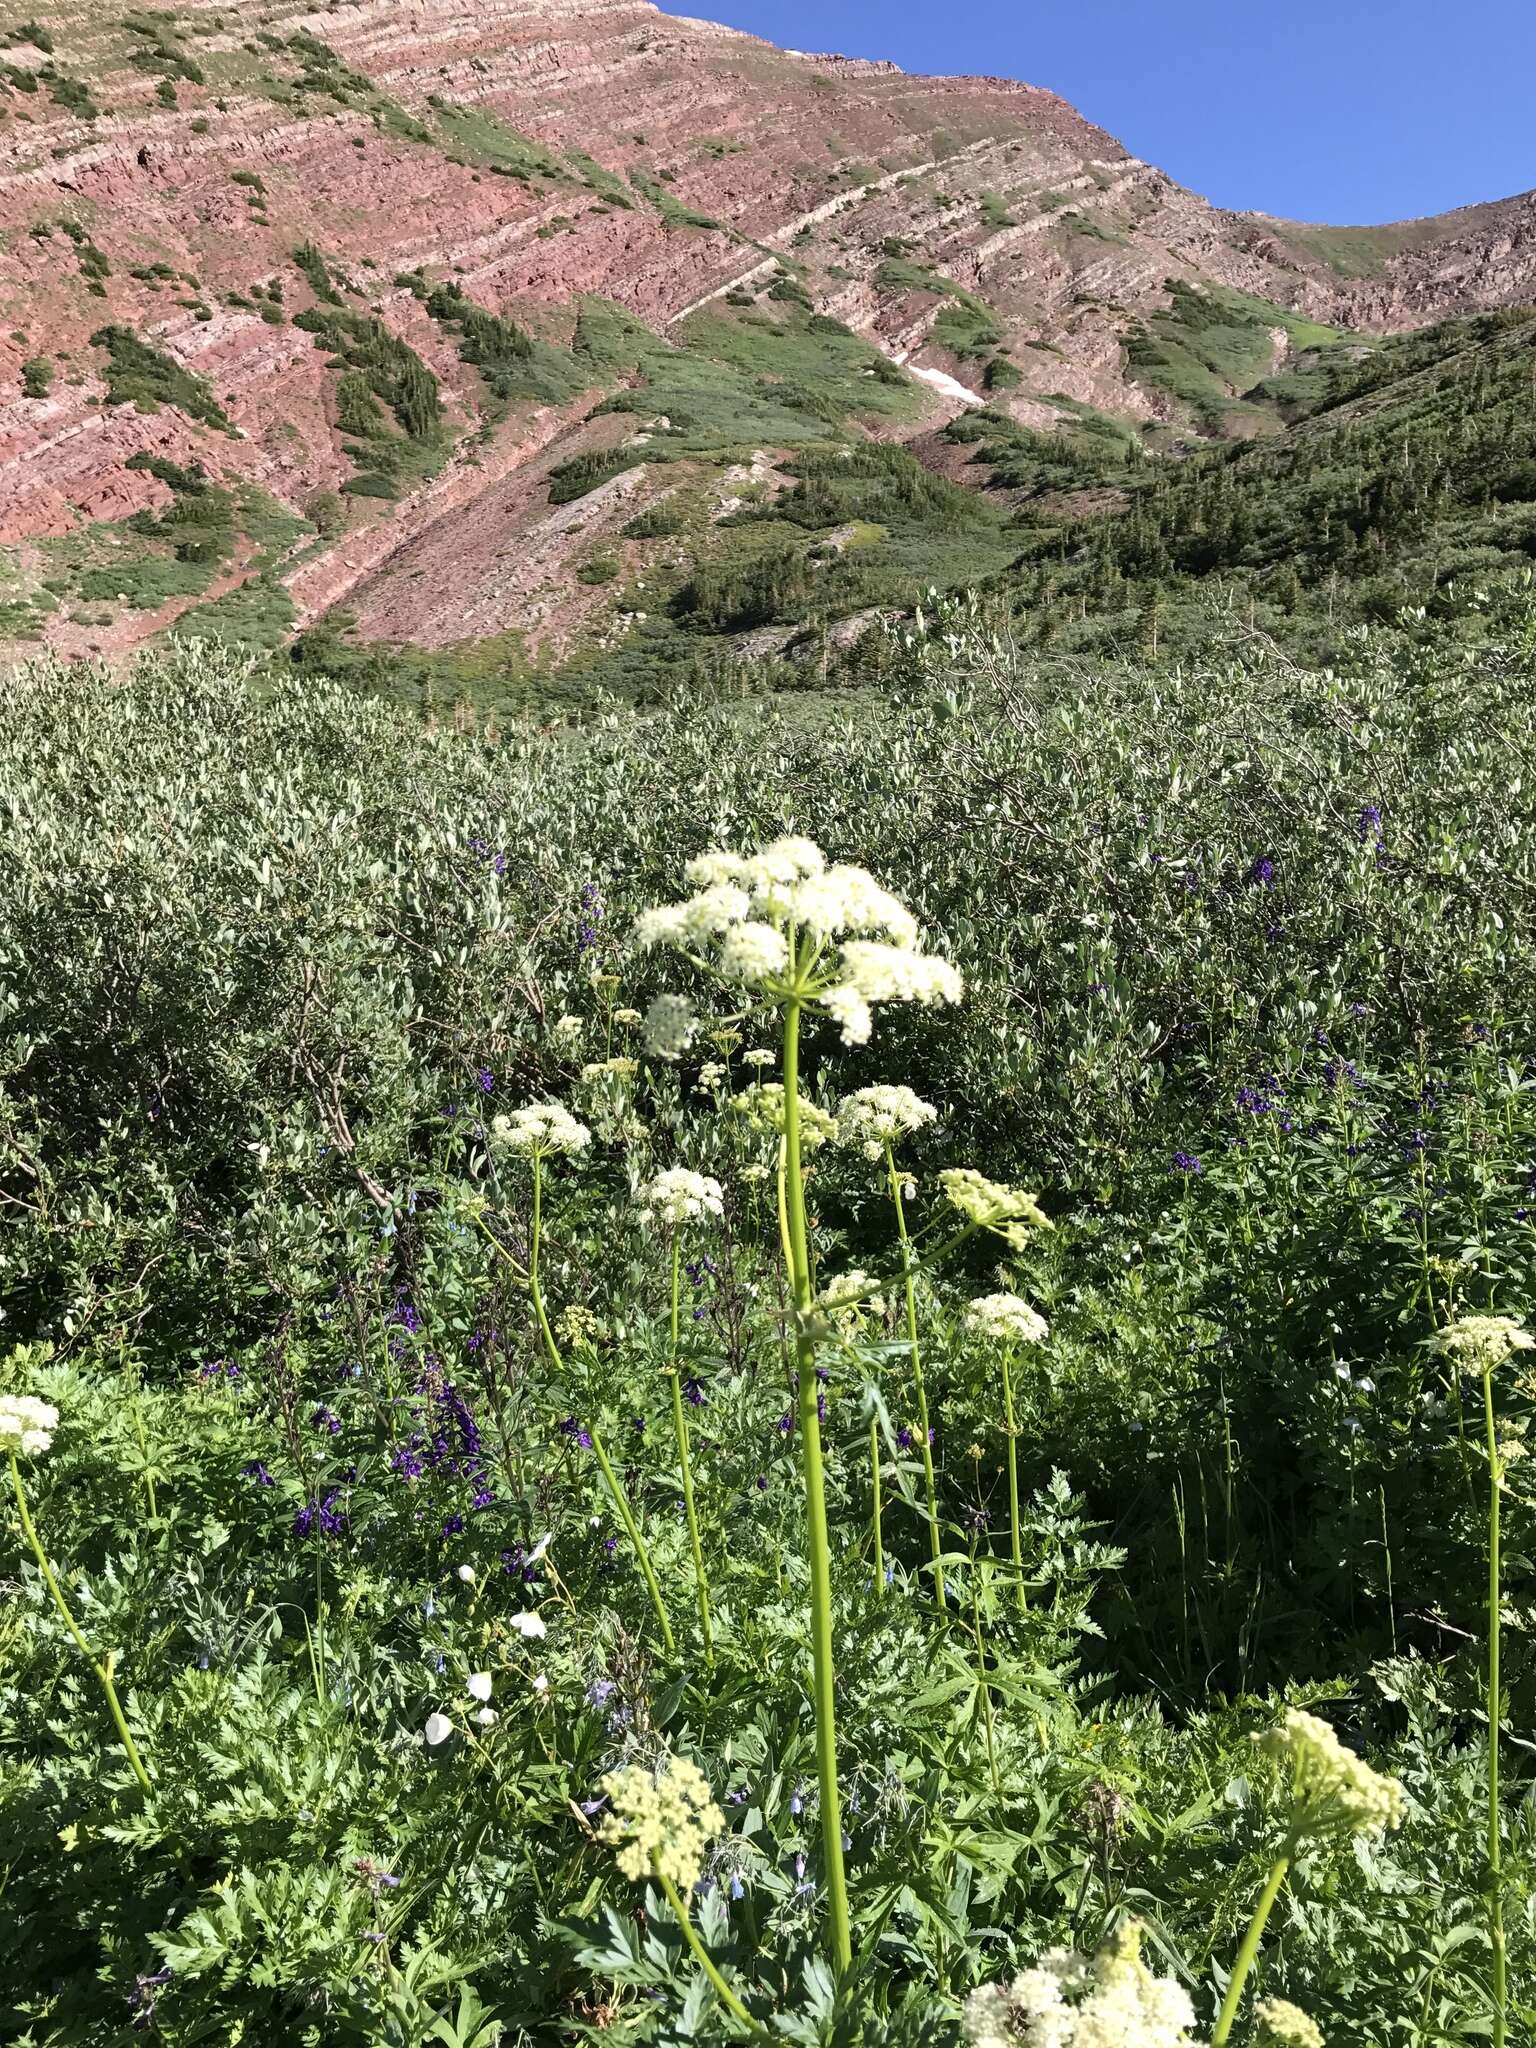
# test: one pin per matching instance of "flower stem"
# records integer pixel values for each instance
(874, 1512)
(1495, 1843)
(637, 1541)
(818, 1546)
(983, 1694)
(1248, 1953)
(610, 1477)
(1016, 1548)
(723, 1991)
(103, 1668)
(680, 1430)
(935, 1544)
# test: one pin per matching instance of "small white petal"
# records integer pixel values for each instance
(438, 1729)
(529, 1625)
(487, 1717)
(479, 1685)
(541, 1683)
(467, 1574)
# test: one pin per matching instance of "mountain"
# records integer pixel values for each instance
(507, 328)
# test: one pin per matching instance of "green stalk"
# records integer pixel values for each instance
(149, 1477)
(680, 1430)
(983, 1692)
(610, 1477)
(1495, 1843)
(935, 1546)
(1016, 1548)
(874, 1512)
(636, 1540)
(818, 1546)
(1247, 1955)
(102, 1669)
(723, 1991)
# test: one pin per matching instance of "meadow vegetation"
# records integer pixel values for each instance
(620, 1429)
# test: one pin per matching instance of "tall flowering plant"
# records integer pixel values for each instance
(675, 1198)
(801, 936)
(26, 1432)
(1485, 1342)
(536, 1133)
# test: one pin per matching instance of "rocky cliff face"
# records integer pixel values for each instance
(158, 172)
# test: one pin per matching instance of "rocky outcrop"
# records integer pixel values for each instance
(536, 150)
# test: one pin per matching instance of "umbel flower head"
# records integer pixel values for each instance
(872, 1118)
(1006, 1319)
(540, 1129)
(1334, 1791)
(1009, 1212)
(763, 1107)
(26, 1425)
(1484, 1341)
(1283, 2025)
(661, 1820)
(851, 1300)
(679, 1195)
(1110, 2000)
(783, 923)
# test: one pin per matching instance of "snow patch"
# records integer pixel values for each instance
(950, 387)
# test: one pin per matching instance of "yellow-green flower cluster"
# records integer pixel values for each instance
(1283, 2025)
(661, 1821)
(541, 1128)
(765, 922)
(1335, 1791)
(1009, 1212)
(579, 1328)
(678, 1195)
(872, 1118)
(1110, 2000)
(1006, 1319)
(26, 1425)
(1485, 1341)
(763, 1107)
(621, 1068)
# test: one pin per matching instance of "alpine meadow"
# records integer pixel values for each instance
(767, 1061)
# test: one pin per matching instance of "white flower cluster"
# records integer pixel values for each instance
(851, 1299)
(540, 1128)
(1005, 1319)
(750, 908)
(1010, 1212)
(26, 1425)
(1485, 1341)
(679, 1195)
(763, 1107)
(872, 1118)
(1111, 2000)
(1336, 1792)
(666, 1817)
(669, 1027)
(1283, 2025)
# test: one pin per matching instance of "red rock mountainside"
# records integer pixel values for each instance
(158, 169)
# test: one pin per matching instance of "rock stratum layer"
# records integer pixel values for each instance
(159, 171)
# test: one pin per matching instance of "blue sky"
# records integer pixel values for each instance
(1338, 110)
